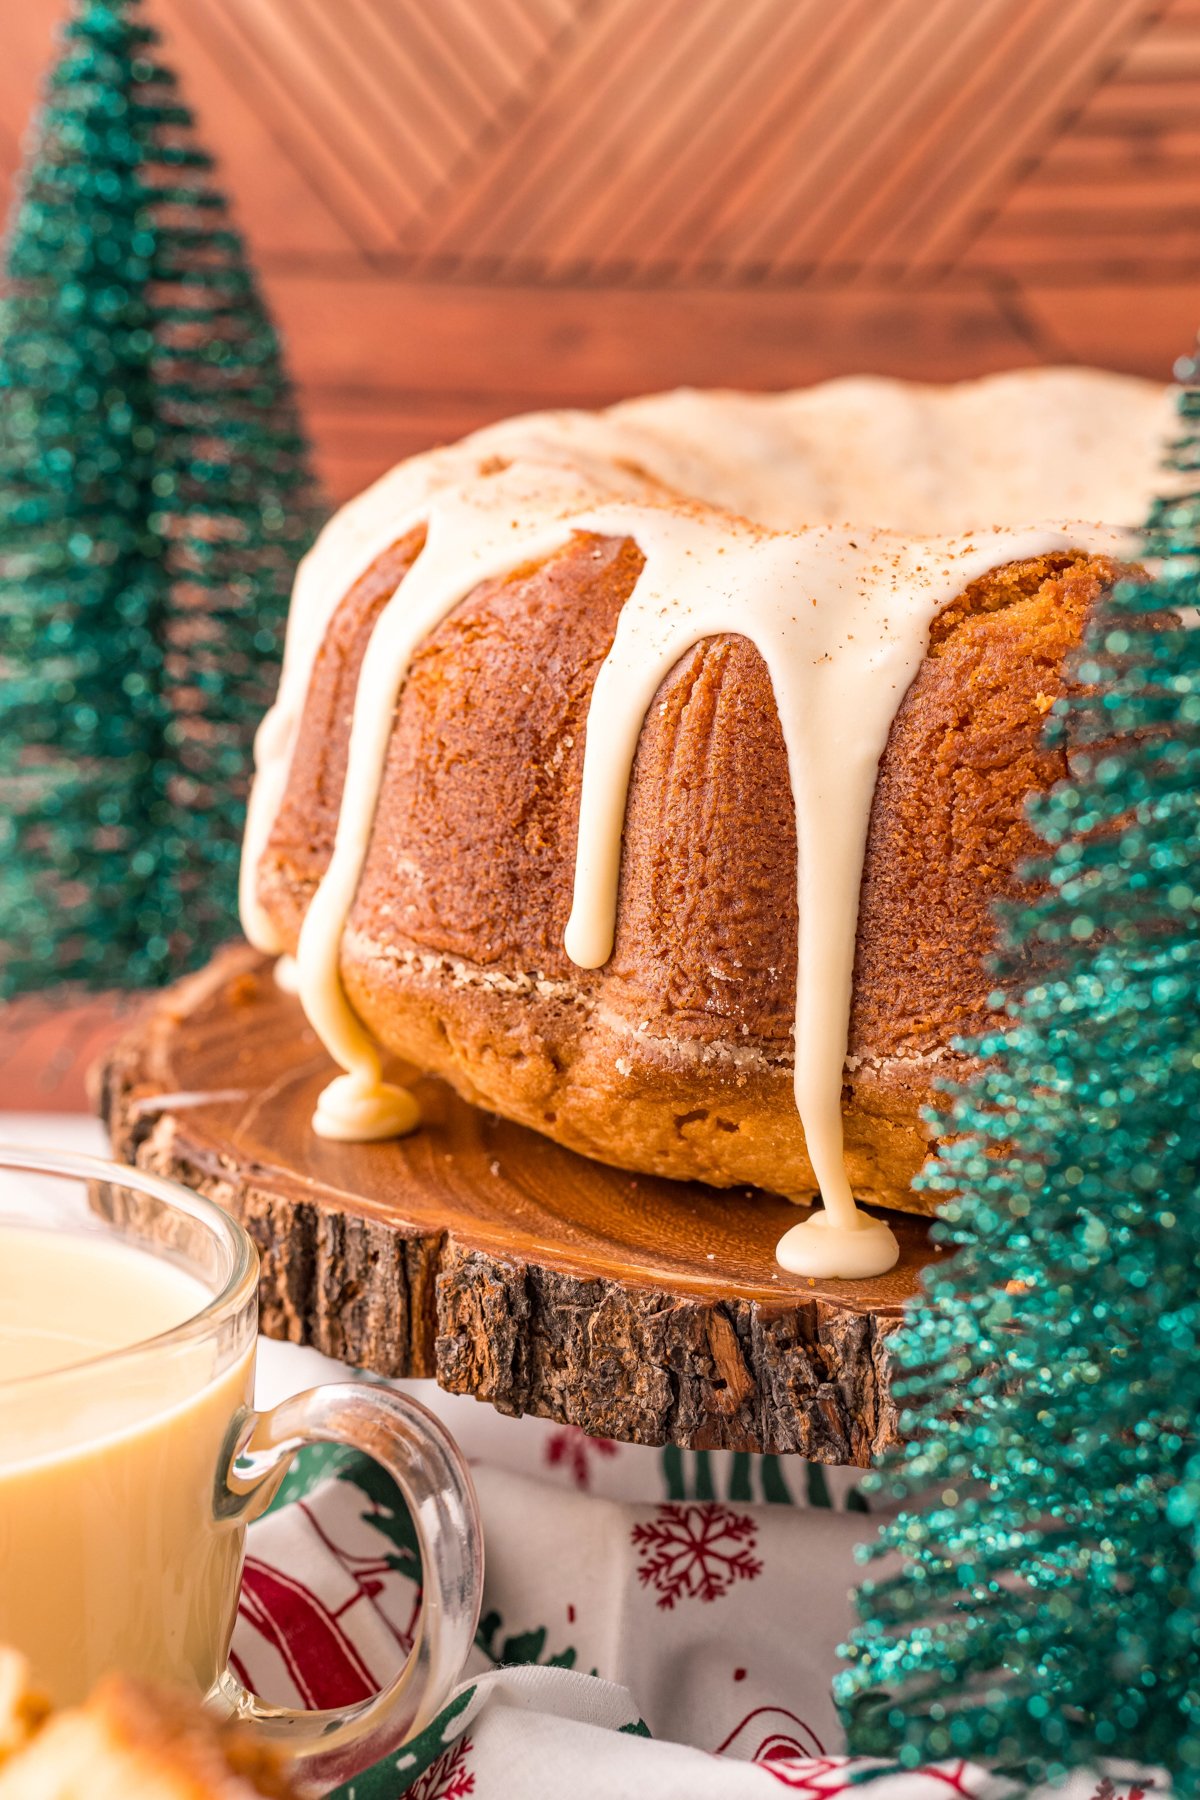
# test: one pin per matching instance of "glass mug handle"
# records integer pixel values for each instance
(406, 1440)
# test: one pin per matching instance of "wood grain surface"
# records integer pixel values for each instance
(50, 1041)
(508, 1267)
(467, 209)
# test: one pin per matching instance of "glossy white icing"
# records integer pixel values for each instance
(287, 975)
(840, 614)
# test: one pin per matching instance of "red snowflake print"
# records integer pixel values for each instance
(446, 1778)
(695, 1552)
(570, 1447)
(1107, 1790)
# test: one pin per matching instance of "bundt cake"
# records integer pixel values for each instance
(651, 774)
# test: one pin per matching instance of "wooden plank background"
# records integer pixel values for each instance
(468, 207)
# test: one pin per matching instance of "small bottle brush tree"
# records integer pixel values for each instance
(1044, 1612)
(155, 496)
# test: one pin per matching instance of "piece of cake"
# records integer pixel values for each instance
(128, 1741)
(688, 747)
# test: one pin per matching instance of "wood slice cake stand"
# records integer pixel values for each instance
(479, 1253)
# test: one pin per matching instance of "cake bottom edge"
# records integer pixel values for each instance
(541, 1054)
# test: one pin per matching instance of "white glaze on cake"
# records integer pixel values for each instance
(840, 614)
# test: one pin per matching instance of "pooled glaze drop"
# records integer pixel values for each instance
(840, 615)
(826, 1245)
(287, 975)
(360, 1107)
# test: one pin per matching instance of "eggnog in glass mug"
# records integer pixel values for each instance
(131, 1458)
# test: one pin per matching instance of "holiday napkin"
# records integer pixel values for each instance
(655, 1623)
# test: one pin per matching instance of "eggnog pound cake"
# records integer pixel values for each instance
(651, 774)
(128, 1741)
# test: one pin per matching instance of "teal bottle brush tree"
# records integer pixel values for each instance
(155, 496)
(1042, 1608)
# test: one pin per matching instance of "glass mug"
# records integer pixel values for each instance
(129, 1470)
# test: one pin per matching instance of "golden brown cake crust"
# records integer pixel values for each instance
(127, 1741)
(676, 1056)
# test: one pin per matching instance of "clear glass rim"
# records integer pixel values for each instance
(239, 1285)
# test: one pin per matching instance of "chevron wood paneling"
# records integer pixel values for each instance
(1117, 190)
(466, 208)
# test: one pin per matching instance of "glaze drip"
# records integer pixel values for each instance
(840, 615)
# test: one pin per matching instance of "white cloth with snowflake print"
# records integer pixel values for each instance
(650, 1626)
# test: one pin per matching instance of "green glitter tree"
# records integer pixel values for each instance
(1044, 1612)
(155, 496)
